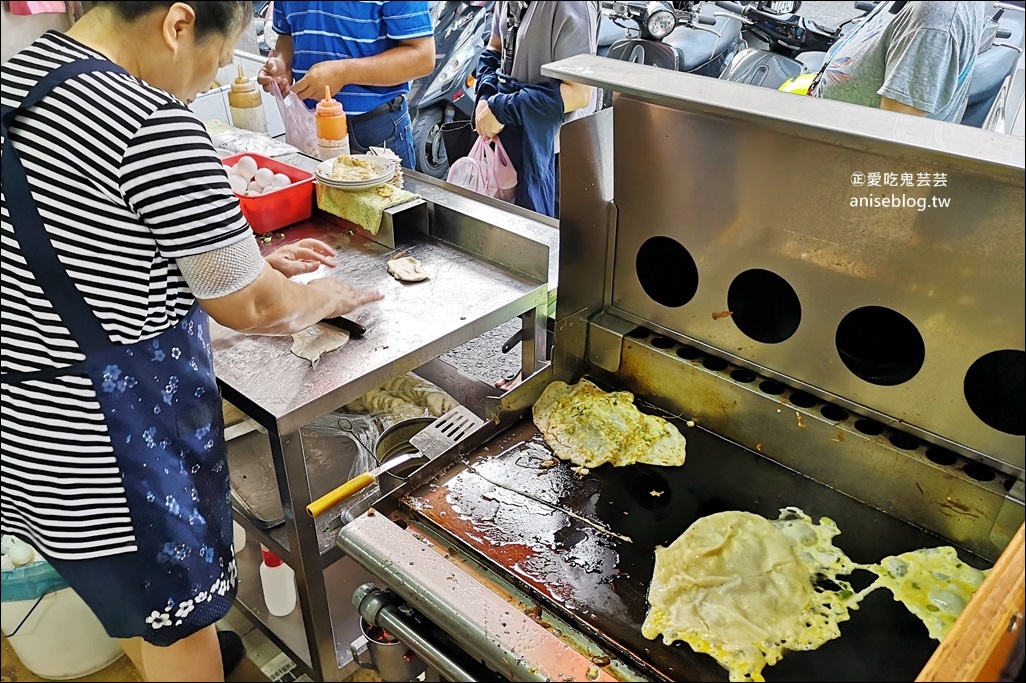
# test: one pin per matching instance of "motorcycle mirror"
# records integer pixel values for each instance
(780, 7)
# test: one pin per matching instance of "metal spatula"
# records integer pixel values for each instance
(446, 431)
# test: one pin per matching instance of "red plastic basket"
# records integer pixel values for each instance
(281, 208)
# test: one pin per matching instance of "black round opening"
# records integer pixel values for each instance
(743, 376)
(880, 346)
(689, 353)
(771, 387)
(904, 441)
(1008, 483)
(941, 456)
(667, 271)
(714, 364)
(980, 472)
(803, 399)
(994, 391)
(638, 333)
(834, 413)
(764, 306)
(869, 427)
(663, 343)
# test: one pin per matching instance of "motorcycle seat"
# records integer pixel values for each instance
(994, 65)
(812, 61)
(696, 47)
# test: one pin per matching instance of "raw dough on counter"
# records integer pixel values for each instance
(590, 427)
(317, 340)
(407, 269)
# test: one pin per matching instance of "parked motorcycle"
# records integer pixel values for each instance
(462, 30)
(680, 36)
(796, 48)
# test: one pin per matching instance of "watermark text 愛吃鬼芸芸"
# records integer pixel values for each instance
(895, 198)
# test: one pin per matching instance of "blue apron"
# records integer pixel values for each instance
(163, 414)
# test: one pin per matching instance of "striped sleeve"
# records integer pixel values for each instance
(279, 19)
(407, 20)
(172, 178)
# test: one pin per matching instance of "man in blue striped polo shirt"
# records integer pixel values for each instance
(366, 53)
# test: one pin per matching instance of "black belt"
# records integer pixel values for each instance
(393, 105)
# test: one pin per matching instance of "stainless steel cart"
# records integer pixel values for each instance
(489, 263)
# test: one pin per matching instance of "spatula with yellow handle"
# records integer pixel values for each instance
(356, 484)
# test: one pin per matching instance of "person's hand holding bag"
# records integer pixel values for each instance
(487, 125)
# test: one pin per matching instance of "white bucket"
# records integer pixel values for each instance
(61, 639)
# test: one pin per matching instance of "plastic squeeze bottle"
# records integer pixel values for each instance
(332, 131)
(247, 105)
(278, 582)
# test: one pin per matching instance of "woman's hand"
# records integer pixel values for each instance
(487, 125)
(275, 70)
(305, 256)
(345, 297)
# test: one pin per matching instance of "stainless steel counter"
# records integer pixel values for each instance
(413, 324)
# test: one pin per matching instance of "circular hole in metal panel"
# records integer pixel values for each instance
(744, 376)
(638, 333)
(880, 346)
(663, 343)
(771, 387)
(689, 353)
(803, 399)
(869, 427)
(941, 456)
(980, 472)
(667, 272)
(834, 413)
(994, 390)
(714, 364)
(764, 306)
(904, 441)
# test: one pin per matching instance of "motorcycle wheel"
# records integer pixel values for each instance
(427, 139)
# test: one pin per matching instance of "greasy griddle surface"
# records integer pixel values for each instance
(601, 582)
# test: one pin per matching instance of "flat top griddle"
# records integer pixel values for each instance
(600, 582)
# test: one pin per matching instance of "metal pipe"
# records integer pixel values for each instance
(375, 606)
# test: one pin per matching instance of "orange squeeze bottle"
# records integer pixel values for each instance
(332, 131)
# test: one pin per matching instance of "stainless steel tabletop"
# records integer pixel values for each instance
(464, 297)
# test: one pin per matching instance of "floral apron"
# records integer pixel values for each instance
(163, 414)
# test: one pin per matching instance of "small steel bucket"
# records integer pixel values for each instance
(393, 660)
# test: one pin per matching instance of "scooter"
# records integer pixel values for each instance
(462, 30)
(796, 49)
(680, 36)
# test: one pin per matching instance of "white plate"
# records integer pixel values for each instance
(385, 171)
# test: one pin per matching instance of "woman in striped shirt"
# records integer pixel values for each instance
(120, 236)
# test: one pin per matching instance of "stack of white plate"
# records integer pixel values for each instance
(384, 170)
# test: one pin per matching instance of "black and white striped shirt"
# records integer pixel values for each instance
(126, 181)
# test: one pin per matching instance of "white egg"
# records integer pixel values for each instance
(280, 180)
(6, 542)
(20, 553)
(230, 170)
(254, 187)
(263, 177)
(246, 167)
(6, 564)
(238, 183)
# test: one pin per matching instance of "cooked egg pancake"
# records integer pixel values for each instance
(591, 427)
(932, 583)
(740, 588)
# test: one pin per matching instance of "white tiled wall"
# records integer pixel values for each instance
(214, 104)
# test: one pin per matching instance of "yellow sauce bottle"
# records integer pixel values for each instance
(246, 104)
(332, 131)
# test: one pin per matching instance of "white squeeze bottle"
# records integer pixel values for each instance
(278, 582)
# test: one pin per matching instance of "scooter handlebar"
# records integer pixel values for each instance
(865, 6)
(708, 21)
(735, 7)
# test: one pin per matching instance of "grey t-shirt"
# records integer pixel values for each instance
(551, 31)
(923, 57)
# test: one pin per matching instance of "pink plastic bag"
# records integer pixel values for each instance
(300, 122)
(486, 171)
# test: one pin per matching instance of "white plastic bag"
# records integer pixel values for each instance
(503, 171)
(472, 172)
(486, 170)
(300, 122)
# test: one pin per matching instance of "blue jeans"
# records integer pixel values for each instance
(391, 129)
